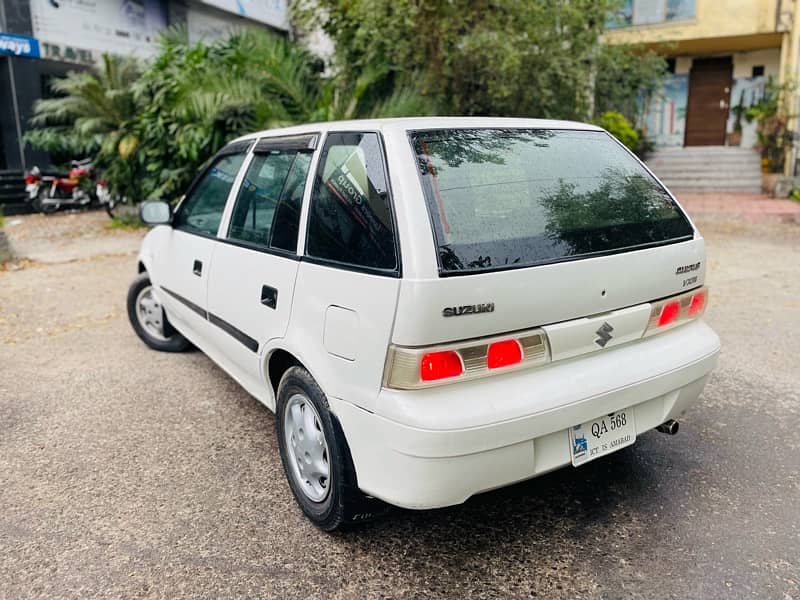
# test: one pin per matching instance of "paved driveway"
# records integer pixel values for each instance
(128, 473)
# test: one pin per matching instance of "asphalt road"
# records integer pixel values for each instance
(129, 473)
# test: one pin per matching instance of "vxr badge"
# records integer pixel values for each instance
(604, 335)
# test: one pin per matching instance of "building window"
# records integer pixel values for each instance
(648, 12)
(679, 9)
(758, 71)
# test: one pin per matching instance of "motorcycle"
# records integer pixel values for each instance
(48, 193)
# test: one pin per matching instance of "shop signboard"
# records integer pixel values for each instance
(270, 12)
(81, 30)
(19, 45)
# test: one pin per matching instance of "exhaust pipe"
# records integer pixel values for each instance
(670, 427)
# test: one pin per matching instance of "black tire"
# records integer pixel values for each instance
(39, 204)
(110, 206)
(344, 504)
(173, 342)
(94, 201)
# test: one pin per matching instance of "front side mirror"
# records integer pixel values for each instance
(156, 212)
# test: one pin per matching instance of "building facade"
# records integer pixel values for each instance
(722, 54)
(43, 39)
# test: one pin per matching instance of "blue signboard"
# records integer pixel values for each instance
(19, 45)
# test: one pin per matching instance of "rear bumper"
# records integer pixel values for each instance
(438, 447)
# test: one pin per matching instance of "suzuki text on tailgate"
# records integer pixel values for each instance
(433, 307)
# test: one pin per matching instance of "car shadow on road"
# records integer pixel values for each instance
(564, 514)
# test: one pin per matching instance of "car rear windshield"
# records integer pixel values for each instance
(505, 198)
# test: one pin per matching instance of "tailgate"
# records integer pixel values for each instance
(588, 290)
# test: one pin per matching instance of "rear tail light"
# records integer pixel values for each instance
(504, 354)
(413, 368)
(440, 365)
(669, 313)
(29, 179)
(666, 314)
(698, 303)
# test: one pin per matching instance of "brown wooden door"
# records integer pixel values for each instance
(709, 97)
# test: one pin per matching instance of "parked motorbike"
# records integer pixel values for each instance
(48, 193)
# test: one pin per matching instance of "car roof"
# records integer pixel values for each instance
(415, 123)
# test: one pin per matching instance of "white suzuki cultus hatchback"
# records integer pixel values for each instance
(433, 307)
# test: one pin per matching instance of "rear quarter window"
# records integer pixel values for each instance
(505, 198)
(351, 220)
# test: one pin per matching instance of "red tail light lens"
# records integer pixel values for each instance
(440, 365)
(669, 313)
(29, 179)
(503, 354)
(697, 304)
(412, 368)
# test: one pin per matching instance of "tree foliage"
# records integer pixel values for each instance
(618, 126)
(626, 76)
(151, 126)
(773, 115)
(194, 98)
(502, 57)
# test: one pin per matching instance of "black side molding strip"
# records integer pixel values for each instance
(188, 303)
(239, 335)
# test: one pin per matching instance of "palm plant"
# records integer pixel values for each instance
(91, 109)
(151, 130)
(195, 97)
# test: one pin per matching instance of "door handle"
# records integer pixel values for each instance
(197, 268)
(269, 296)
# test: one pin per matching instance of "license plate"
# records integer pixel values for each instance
(601, 436)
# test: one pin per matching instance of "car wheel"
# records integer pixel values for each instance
(41, 204)
(316, 457)
(149, 320)
(110, 205)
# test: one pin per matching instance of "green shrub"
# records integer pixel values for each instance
(773, 117)
(512, 59)
(618, 126)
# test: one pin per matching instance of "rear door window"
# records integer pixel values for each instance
(505, 198)
(350, 220)
(267, 210)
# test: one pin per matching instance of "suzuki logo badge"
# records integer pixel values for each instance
(604, 335)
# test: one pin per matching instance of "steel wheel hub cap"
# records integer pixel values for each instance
(307, 448)
(150, 313)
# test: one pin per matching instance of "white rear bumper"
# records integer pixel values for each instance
(438, 447)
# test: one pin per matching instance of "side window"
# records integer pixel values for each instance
(202, 209)
(351, 217)
(267, 209)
